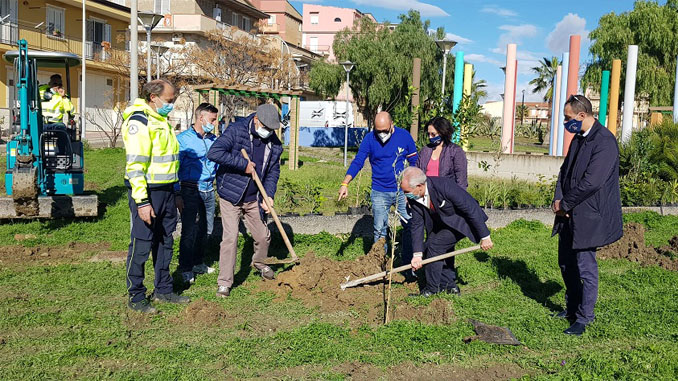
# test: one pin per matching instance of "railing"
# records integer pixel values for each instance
(11, 33)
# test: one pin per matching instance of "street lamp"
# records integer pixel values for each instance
(445, 46)
(160, 50)
(348, 66)
(149, 20)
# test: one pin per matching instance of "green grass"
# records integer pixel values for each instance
(481, 143)
(70, 321)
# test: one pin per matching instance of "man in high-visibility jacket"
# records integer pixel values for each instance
(150, 175)
(55, 102)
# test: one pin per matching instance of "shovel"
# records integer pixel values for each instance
(384, 274)
(272, 260)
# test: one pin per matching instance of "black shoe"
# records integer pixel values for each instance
(142, 306)
(575, 329)
(427, 293)
(410, 277)
(453, 290)
(172, 297)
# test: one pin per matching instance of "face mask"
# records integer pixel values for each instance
(207, 127)
(384, 136)
(435, 140)
(165, 109)
(573, 126)
(412, 196)
(263, 132)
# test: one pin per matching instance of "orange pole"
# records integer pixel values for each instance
(614, 97)
(572, 81)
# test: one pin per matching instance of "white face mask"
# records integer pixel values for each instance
(263, 132)
(384, 136)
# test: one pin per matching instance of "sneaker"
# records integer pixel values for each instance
(203, 269)
(267, 273)
(172, 297)
(223, 291)
(142, 306)
(188, 277)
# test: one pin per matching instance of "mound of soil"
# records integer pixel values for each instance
(202, 312)
(316, 282)
(633, 248)
(70, 253)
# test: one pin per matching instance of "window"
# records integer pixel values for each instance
(337, 19)
(246, 24)
(271, 20)
(216, 14)
(300, 27)
(314, 44)
(55, 21)
(314, 18)
(235, 19)
(98, 37)
(161, 7)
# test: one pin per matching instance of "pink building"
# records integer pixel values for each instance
(321, 23)
(284, 20)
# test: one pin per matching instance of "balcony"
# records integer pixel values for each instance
(39, 39)
(192, 23)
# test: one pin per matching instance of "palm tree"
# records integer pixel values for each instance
(478, 88)
(545, 72)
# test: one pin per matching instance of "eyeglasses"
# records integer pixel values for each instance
(574, 97)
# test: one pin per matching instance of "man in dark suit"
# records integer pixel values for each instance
(448, 214)
(588, 212)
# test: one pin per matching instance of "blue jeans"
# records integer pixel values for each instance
(381, 205)
(197, 221)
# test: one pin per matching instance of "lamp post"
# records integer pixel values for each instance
(445, 46)
(160, 50)
(149, 20)
(133, 52)
(522, 110)
(348, 66)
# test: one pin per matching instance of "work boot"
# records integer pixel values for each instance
(267, 273)
(142, 306)
(172, 297)
(223, 291)
(203, 269)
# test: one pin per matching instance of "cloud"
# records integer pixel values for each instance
(482, 59)
(514, 34)
(426, 10)
(460, 40)
(558, 41)
(499, 11)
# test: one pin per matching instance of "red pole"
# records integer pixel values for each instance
(572, 81)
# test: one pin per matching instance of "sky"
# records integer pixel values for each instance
(483, 28)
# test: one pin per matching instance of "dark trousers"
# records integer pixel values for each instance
(155, 238)
(580, 274)
(440, 275)
(194, 226)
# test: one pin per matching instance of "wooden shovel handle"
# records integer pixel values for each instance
(270, 208)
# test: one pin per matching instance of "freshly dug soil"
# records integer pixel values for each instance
(202, 312)
(632, 247)
(316, 282)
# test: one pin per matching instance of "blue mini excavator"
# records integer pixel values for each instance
(45, 167)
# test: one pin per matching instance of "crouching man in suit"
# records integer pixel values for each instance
(448, 214)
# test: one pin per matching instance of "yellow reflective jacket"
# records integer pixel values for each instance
(54, 109)
(152, 150)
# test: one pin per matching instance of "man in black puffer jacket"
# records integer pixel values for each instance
(238, 193)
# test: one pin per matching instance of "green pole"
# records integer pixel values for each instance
(604, 92)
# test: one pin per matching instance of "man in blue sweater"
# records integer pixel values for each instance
(196, 191)
(387, 147)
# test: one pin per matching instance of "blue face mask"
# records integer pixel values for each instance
(165, 109)
(435, 140)
(412, 196)
(208, 127)
(573, 126)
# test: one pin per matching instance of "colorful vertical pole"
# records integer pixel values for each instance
(555, 103)
(604, 88)
(458, 86)
(468, 84)
(572, 81)
(561, 104)
(629, 93)
(509, 100)
(614, 97)
(675, 96)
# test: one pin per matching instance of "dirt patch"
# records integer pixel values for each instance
(315, 281)
(110, 256)
(202, 313)
(633, 248)
(72, 252)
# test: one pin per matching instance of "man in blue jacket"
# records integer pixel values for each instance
(447, 213)
(587, 205)
(196, 191)
(238, 193)
(387, 147)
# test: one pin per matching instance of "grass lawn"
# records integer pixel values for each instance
(481, 143)
(63, 317)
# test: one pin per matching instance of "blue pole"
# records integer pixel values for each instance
(561, 106)
(458, 90)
